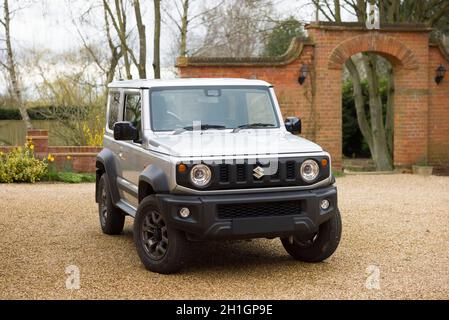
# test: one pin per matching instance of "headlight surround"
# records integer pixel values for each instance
(309, 170)
(200, 175)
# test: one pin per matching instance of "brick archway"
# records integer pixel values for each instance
(410, 102)
(404, 50)
(392, 48)
(421, 118)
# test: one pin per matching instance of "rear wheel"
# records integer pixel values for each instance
(160, 247)
(112, 219)
(320, 245)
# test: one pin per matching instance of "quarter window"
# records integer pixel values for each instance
(114, 106)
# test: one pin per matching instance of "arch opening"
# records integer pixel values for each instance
(368, 112)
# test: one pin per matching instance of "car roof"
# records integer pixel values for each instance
(185, 82)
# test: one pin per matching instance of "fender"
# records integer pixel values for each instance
(155, 178)
(106, 158)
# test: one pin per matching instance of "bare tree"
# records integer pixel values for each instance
(236, 28)
(185, 19)
(107, 53)
(119, 20)
(184, 28)
(142, 65)
(69, 88)
(10, 66)
(157, 39)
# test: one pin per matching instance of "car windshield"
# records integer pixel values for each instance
(175, 109)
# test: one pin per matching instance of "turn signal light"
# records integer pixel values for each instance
(324, 162)
(182, 168)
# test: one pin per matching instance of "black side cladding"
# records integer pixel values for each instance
(105, 159)
(155, 178)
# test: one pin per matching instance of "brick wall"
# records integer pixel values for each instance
(77, 159)
(421, 107)
(438, 111)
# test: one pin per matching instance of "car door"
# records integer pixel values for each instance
(130, 153)
(114, 115)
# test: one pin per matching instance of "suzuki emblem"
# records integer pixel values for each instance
(259, 172)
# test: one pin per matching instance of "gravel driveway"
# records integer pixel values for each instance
(394, 226)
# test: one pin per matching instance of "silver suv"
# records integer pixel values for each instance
(211, 159)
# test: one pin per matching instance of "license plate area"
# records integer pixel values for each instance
(262, 225)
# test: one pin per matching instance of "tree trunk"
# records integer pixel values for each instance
(317, 10)
(184, 28)
(142, 66)
(360, 103)
(337, 10)
(121, 17)
(157, 39)
(113, 62)
(380, 152)
(115, 54)
(389, 119)
(11, 67)
(361, 10)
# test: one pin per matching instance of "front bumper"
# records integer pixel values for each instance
(302, 216)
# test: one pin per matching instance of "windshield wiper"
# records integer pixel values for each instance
(253, 126)
(202, 127)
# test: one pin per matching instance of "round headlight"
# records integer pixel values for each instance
(310, 170)
(200, 175)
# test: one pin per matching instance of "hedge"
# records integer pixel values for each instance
(9, 114)
(42, 112)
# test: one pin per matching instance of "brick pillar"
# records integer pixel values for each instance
(411, 111)
(40, 141)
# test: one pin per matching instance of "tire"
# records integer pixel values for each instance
(321, 246)
(160, 247)
(112, 219)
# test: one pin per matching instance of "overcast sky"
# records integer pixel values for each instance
(48, 24)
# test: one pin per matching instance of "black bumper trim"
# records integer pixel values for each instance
(205, 224)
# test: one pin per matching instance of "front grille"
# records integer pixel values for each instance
(291, 170)
(224, 173)
(251, 210)
(240, 174)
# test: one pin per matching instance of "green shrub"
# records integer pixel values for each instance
(70, 177)
(9, 114)
(338, 174)
(45, 113)
(20, 165)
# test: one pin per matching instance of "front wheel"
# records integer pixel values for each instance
(320, 246)
(112, 219)
(160, 247)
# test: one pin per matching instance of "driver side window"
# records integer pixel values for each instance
(133, 111)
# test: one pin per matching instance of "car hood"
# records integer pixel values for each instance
(225, 143)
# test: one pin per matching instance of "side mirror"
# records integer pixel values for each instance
(125, 131)
(293, 125)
